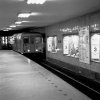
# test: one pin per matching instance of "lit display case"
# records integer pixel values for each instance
(70, 45)
(84, 45)
(66, 41)
(52, 44)
(95, 47)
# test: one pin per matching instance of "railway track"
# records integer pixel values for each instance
(86, 86)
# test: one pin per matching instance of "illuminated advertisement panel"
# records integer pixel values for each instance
(95, 47)
(52, 44)
(66, 40)
(84, 48)
(70, 45)
(74, 46)
(49, 44)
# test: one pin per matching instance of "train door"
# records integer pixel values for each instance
(26, 44)
(38, 44)
(32, 48)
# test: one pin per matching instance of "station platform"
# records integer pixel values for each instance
(23, 79)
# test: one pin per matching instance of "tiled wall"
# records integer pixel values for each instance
(69, 27)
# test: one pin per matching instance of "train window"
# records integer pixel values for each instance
(71, 45)
(49, 44)
(4, 40)
(52, 44)
(38, 39)
(95, 47)
(32, 39)
(26, 40)
(19, 36)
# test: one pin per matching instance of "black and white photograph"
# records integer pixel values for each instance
(49, 49)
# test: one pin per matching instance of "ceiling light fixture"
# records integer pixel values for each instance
(36, 1)
(19, 22)
(24, 15)
(25, 21)
(12, 26)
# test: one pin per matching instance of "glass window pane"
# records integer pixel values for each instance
(95, 47)
(26, 40)
(71, 45)
(32, 39)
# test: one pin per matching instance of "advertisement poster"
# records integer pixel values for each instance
(84, 48)
(66, 40)
(70, 45)
(49, 43)
(74, 46)
(95, 47)
(52, 44)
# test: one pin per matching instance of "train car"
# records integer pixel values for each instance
(28, 43)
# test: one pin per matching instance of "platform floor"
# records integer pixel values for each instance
(23, 79)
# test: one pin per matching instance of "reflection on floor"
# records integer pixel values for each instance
(23, 79)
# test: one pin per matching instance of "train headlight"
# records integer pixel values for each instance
(28, 50)
(37, 50)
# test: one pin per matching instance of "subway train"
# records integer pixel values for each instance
(27, 43)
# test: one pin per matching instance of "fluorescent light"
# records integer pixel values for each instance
(12, 26)
(8, 28)
(19, 22)
(25, 21)
(24, 15)
(5, 30)
(36, 1)
(34, 13)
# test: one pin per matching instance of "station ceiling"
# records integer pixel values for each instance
(51, 11)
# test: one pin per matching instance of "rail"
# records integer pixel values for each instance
(86, 89)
